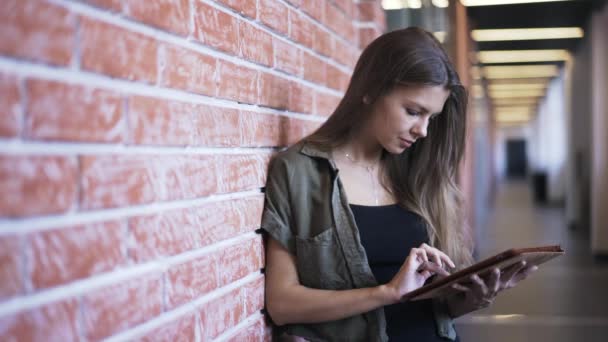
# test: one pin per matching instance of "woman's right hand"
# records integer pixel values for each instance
(422, 263)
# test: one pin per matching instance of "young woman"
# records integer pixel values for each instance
(366, 208)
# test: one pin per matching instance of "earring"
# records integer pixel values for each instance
(366, 99)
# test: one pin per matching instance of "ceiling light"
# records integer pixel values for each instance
(415, 4)
(523, 71)
(517, 86)
(471, 3)
(513, 102)
(516, 93)
(544, 80)
(440, 35)
(394, 4)
(527, 34)
(440, 3)
(518, 56)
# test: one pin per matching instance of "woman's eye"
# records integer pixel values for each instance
(412, 112)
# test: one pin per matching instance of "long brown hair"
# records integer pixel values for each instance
(423, 178)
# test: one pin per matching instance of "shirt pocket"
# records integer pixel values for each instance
(320, 261)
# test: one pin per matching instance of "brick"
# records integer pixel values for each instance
(124, 180)
(242, 172)
(169, 15)
(116, 52)
(60, 256)
(336, 78)
(367, 11)
(287, 57)
(191, 280)
(325, 104)
(367, 35)
(338, 21)
(188, 70)
(273, 91)
(115, 308)
(251, 333)
(315, 69)
(301, 28)
(51, 322)
(240, 260)
(224, 220)
(36, 30)
(36, 185)
(245, 7)
(315, 8)
(10, 106)
(262, 130)
(274, 14)
(179, 330)
(11, 277)
(60, 111)
(155, 121)
(255, 44)
(221, 314)
(343, 53)
(113, 5)
(323, 42)
(253, 293)
(164, 122)
(215, 126)
(346, 6)
(165, 234)
(237, 82)
(215, 28)
(300, 98)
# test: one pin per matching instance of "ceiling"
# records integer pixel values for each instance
(507, 102)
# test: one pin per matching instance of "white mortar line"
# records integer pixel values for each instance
(10, 146)
(23, 226)
(367, 24)
(40, 71)
(84, 286)
(181, 311)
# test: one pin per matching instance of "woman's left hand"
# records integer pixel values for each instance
(480, 294)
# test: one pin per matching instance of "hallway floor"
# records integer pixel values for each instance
(565, 300)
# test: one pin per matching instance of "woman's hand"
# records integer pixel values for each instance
(422, 263)
(480, 294)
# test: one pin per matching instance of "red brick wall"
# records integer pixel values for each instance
(134, 139)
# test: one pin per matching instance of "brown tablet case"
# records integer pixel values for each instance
(504, 260)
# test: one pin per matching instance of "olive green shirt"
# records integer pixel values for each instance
(306, 211)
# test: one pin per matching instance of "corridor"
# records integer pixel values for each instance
(565, 300)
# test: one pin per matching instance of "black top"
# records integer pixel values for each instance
(388, 233)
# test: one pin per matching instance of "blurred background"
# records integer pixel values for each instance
(135, 136)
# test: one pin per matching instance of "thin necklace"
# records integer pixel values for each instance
(370, 171)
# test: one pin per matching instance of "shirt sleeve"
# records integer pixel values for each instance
(276, 216)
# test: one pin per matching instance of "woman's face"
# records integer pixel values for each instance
(402, 116)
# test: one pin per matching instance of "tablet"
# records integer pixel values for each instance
(504, 260)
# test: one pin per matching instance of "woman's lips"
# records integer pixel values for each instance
(405, 142)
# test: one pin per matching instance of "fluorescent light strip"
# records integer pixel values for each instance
(527, 34)
(517, 86)
(517, 94)
(523, 71)
(401, 4)
(472, 3)
(543, 80)
(518, 56)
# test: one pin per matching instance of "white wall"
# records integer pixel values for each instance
(549, 139)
